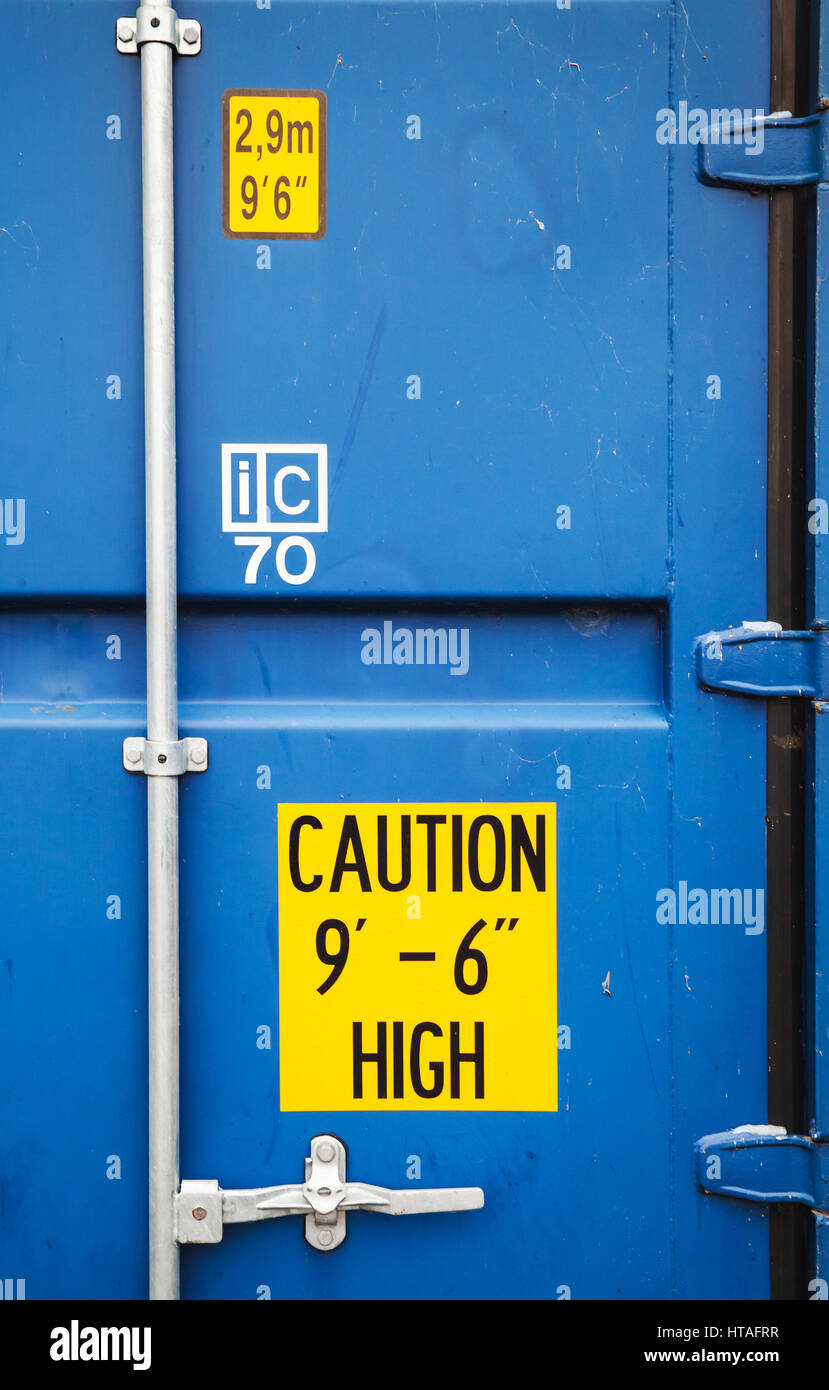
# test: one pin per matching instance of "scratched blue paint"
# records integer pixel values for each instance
(542, 388)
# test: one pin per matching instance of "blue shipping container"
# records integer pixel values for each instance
(469, 876)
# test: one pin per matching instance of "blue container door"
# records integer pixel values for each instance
(475, 879)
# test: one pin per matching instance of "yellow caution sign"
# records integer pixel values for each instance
(417, 956)
(273, 161)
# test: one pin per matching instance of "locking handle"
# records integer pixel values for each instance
(203, 1208)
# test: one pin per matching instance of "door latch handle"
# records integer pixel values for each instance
(203, 1208)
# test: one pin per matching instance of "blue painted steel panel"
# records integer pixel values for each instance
(543, 388)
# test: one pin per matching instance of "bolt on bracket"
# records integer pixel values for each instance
(203, 1208)
(157, 759)
(759, 658)
(762, 1163)
(794, 152)
(158, 24)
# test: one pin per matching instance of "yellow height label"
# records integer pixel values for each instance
(273, 160)
(417, 956)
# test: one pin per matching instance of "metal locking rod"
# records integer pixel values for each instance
(154, 33)
(204, 1208)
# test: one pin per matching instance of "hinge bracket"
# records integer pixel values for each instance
(158, 24)
(158, 759)
(762, 1163)
(761, 659)
(783, 151)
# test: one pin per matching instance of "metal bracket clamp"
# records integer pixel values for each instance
(761, 659)
(762, 1163)
(793, 153)
(203, 1208)
(165, 759)
(158, 24)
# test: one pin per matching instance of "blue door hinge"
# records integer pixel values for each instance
(762, 659)
(781, 151)
(762, 1163)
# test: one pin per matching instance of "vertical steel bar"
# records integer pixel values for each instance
(786, 604)
(817, 611)
(162, 678)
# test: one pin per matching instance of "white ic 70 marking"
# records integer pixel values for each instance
(269, 489)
